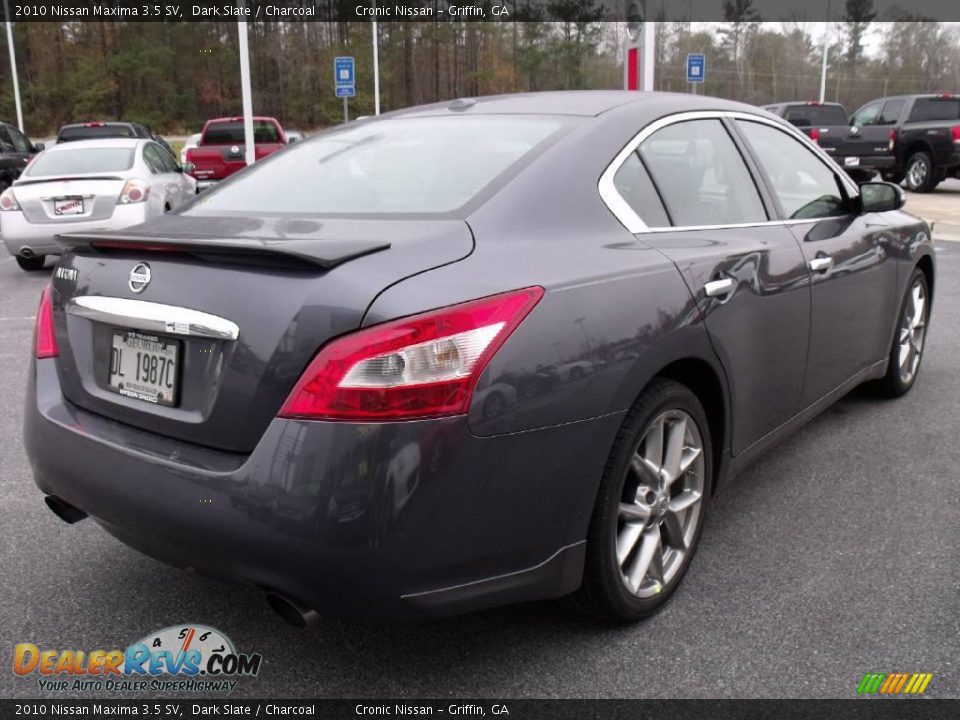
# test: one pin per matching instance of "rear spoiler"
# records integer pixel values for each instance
(324, 253)
(21, 181)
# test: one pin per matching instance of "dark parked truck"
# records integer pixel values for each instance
(925, 130)
(222, 152)
(861, 150)
(16, 150)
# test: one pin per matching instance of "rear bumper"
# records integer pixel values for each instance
(18, 233)
(867, 162)
(388, 520)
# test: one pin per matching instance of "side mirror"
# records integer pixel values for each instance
(188, 167)
(37, 147)
(881, 197)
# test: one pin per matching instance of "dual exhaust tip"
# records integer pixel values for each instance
(290, 609)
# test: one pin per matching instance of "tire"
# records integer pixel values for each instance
(633, 507)
(906, 352)
(921, 175)
(31, 263)
(893, 176)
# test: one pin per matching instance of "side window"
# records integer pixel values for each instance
(6, 142)
(805, 186)
(634, 186)
(891, 112)
(20, 143)
(151, 156)
(868, 114)
(701, 176)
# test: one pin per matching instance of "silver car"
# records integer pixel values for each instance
(87, 186)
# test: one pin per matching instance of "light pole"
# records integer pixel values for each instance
(826, 52)
(13, 66)
(249, 147)
(376, 65)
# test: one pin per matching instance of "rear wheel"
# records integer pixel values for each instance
(921, 177)
(906, 353)
(651, 506)
(31, 263)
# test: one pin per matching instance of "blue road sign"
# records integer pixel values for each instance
(346, 91)
(696, 67)
(343, 72)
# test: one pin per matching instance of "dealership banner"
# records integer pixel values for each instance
(188, 709)
(467, 10)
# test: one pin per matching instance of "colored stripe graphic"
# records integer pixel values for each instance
(894, 683)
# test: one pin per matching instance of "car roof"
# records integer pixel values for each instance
(583, 103)
(99, 143)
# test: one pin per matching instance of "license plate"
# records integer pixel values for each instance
(68, 206)
(145, 367)
(851, 161)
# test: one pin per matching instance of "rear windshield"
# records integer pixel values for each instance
(82, 161)
(415, 165)
(84, 132)
(231, 133)
(815, 115)
(935, 109)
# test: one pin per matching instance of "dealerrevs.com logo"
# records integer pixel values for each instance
(185, 657)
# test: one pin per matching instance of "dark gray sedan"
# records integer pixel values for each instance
(472, 353)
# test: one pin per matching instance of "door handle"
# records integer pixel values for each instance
(821, 264)
(719, 288)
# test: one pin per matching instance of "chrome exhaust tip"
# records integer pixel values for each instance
(64, 510)
(291, 610)
(25, 252)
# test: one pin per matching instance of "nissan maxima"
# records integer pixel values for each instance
(88, 185)
(287, 382)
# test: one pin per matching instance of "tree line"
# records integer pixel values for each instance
(173, 76)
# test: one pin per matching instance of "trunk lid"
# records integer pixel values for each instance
(285, 285)
(842, 141)
(70, 199)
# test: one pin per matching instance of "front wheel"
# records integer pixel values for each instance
(650, 507)
(920, 173)
(31, 263)
(903, 364)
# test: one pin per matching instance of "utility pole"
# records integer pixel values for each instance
(13, 67)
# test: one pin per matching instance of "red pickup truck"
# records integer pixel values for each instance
(222, 152)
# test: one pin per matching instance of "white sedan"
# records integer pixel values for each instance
(86, 186)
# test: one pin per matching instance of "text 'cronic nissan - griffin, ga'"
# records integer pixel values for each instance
(472, 353)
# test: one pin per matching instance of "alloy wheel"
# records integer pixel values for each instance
(912, 332)
(660, 508)
(917, 174)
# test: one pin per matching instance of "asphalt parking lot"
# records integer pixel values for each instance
(834, 556)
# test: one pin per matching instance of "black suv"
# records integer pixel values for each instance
(926, 137)
(109, 129)
(15, 152)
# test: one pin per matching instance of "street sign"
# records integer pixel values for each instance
(343, 72)
(696, 67)
(346, 91)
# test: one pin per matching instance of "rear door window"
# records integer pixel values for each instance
(891, 112)
(868, 114)
(701, 176)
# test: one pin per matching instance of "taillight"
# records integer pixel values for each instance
(8, 201)
(421, 366)
(46, 341)
(893, 140)
(955, 133)
(134, 191)
(815, 135)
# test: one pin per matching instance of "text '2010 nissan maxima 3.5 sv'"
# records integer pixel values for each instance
(470, 354)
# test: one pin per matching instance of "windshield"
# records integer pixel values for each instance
(231, 133)
(815, 115)
(416, 165)
(83, 161)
